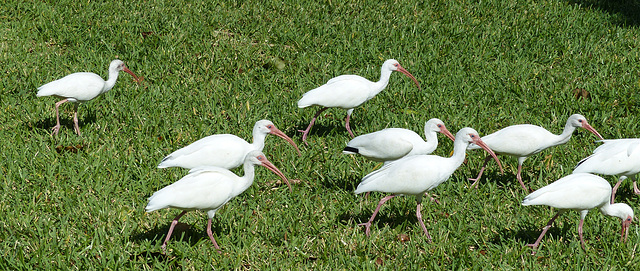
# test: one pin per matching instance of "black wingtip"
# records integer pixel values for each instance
(350, 149)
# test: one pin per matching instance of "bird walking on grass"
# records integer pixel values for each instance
(207, 189)
(581, 192)
(348, 92)
(81, 87)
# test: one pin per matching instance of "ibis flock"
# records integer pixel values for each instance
(408, 169)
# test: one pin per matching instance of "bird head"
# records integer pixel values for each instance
(394, 65)
(258, 158)
(470, 135)
(579, 121)
(437, 125)
(117, 65)
(267, 127)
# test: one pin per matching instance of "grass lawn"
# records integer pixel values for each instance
(77, 202)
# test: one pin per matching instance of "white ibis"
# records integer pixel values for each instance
(223, 150)
(524, 140)
(81, 87)
(417, 174)
(348, 92)
(207, 189)
(614, 157)
(394, 143)
(580, 192)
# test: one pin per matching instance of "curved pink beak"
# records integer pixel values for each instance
(138, 79)
(625, 228)
(446, 132)
(484, 146)
(277, 132)
(275, 170)
(405, 72)
(591, 129)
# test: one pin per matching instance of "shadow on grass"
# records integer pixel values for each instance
(386, 217)
(529, 233)
(629, 10)
(347, 184)
(181, 233)
(65, 122)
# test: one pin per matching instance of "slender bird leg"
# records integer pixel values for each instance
(347, 122)
(635, 188)
(211, 236)
(173, 225)
(580, 233)
(419, 215)
(313, 120)
(368, 223)
(615, 188)
(484, 165)
(57, 127)
(519, 177)
(75, 120)
(544, 231)
(431, 198)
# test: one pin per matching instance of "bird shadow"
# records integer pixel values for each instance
(183, 232)
(65, 122)
(346, 184)
(387, 217)
(628, 10)
(528, 234)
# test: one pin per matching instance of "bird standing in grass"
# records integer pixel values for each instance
(223, 150)
(207, 189)
(81, 87)
(614, 157)
(417, 174)
(524, 140)
(394, 143)
(580, 192)
(348, 92)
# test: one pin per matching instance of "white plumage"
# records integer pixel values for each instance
(394, 143)
(580, 192)
(81, 87)
(223, 150)
(348, 92)
(614, 157)
(524, 140)
(415, 175)
(207, 189)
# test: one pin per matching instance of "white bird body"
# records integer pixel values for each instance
(614, 157)
(524, 140)
(222, 150)
(415, 175)
(394, 143)
(207, 189)
(81, 87)
(348, 92)
(580, 192)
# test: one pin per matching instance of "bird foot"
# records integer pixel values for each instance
(55, 129)
(164, 249)
(367, 226)
(475, 182)
(304, 136)
(635, 189)
(534, 247)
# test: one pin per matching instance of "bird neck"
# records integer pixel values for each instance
(616, 210)
(246, 180)
(430, 136)
(566, 134)
(258, 139)
(385, 74)
(111, 81)
(459, 148)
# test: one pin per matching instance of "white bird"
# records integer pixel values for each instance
(81, 87)
(223, 150)
(394, 143)
(417, 174)
(524, 140)
(207, 189)
(348, 92)
(614, 157)
(580, 192)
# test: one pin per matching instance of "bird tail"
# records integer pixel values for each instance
(350, 150)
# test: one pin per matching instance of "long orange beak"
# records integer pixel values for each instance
(591, 129)
(483, 145)
(275, 170)
(402, 70)
(277, 132)
(138, 79)
(446, 132)
(625, 228)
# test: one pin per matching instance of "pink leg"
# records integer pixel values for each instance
(57, 127)
(544, 231)
(484, 165)
(211, 236)
(313, 120)
(75, 120)
(368, 223)
(173, 225)
(635, 188)
(580, 233)
(615, 188)
(519, 177)
(431, 198)
(419, 215)
(347, 123)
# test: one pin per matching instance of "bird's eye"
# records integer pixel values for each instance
(396, 64)
(269, 126)
(439, 125)
(580, 121)
(473, 136)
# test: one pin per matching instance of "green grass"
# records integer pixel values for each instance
(209, 68)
